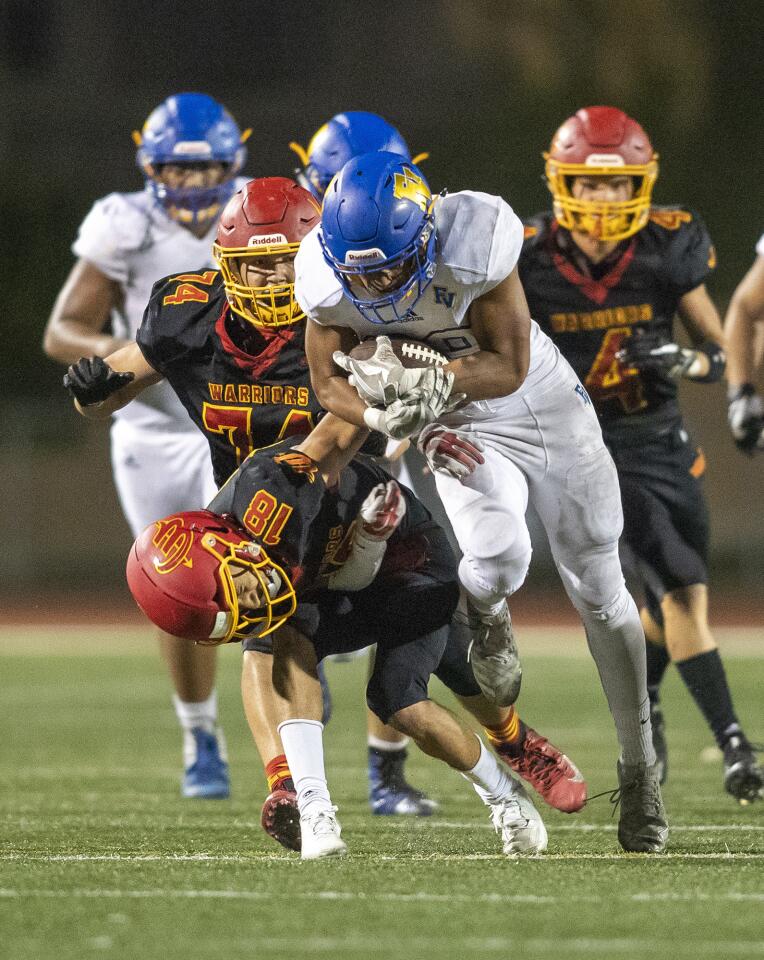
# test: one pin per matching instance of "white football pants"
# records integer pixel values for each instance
(545, 445)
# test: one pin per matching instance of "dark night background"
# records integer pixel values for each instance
(480, 84)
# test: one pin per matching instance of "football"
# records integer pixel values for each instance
(411, 353)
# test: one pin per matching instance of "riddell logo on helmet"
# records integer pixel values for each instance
(266, 240)
(365, 256)
(174, 542)
(604, 160)
(192, 147)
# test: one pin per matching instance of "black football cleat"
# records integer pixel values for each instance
(743, 777)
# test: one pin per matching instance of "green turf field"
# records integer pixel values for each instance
(100, 857)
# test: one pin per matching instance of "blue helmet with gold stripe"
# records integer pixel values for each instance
(190, 149)
(378, 234)
(345, 136)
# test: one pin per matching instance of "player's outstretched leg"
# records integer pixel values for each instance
(438, 733)
(551, 774)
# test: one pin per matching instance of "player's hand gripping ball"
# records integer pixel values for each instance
(91, 380)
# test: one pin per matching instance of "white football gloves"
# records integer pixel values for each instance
(453, 452)
(409, 398)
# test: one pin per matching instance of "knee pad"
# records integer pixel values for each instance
(497, 576)
(617, 611)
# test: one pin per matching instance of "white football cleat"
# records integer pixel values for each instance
(321, 835)
(522, 830)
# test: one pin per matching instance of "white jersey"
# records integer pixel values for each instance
(479, 243)
(760, 246)
(133, 242)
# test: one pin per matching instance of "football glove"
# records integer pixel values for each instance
(382, 511)
(745, 414)
(382, 379)
(454, 452)
(91, 380)
(408, 416)
(650, 353)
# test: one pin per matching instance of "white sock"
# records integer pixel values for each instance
(304, 749)
(490, 780)
(203, 714)
(387, 746)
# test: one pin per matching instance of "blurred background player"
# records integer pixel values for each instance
(190, 152)
(744, 333)
(344, 136)
(604, 275)
(444, 269)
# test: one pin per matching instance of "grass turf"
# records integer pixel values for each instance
(100, 857)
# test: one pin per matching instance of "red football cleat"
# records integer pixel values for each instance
(280, 818)
(551, 774)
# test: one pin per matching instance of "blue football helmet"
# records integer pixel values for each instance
(378, 234)
(345, 136)
(190, 129)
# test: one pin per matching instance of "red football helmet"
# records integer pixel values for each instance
(267, 217)
(601, 141)
(179, 572)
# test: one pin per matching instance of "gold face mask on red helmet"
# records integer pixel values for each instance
(601, 142)
(267, 218)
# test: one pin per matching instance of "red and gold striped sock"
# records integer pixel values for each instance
(507, 733)
(276, 772)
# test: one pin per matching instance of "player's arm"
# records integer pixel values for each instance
(501, 323)
(329, 381)
(332, 445)
(703, 362)
(76, 326)
(744, 327)
(100, 387)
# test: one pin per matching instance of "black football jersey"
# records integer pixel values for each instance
(244, 388)
(589, 317)
(278, 494)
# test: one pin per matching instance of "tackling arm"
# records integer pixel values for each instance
(501, 323)
(80, 314)
(127, 360)
(329, 381)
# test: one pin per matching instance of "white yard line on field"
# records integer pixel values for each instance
(370, 858)
(387, 897)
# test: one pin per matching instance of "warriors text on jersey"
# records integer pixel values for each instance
(589, 315)
(131, 240)
(243, 388)
(279, 496)
(479, 242)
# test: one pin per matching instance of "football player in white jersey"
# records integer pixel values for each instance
(190, 152)
(744, 334)
(390, 258)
